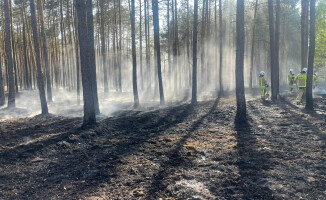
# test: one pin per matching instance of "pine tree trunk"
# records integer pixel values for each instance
(2, 92)
(202, 46)
(40, 79)
(120, 49)
(208, 25)
(240, 91)
(26, 77)
(134, 60)
(277, 48)
(62, 46)
(253, 46)
(11, 83)
(77, 57)
(169, 43)
(157, 48)
(148, 61)
(312, 44)
(188, 45)
(105, 73)
(141, 47)
(90, 30)
(304, 32)
(272, 49)
(86, 65)
(221, 49)
(194, 67)
(45, 53)
(13, 48)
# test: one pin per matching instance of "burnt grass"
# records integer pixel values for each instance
(179, 152)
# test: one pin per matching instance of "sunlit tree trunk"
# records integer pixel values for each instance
(310, 103)
(14, 54)
(277, 48)
(120, 49)
(90, 32)
(207, 45)
(253, 46)
(202, 46)
(194, 67)
(105, 73)
(175, 46)
(188, 45)
(157, 48)
(141, 47)
(134, 60)
(86, 65)
(114, 41)
(40, 79)
(148, 58)
(240, 37)
(2, 92)
(26, 77)
(77, 57)
(45, 53)
(304, 32)
(11, 83)
(62, 45)
(221, 49)
(169, 42)
(272, 49)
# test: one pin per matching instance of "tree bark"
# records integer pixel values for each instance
(157, 48)
(312, 44)
(77, 57)
(86, 66)
(272, 49)
(194, 67)
(134, 60)
(45, 53)
(120, 49)
(14, 54)
(169, 42)
(240, 37)
(253, 46)
(105, 73)
(277, 48)
(40, 79)
(221, 49)
(202, 46)
(62, 45)
(11, 95)
(304, 32)
(141, 47)
(26, 77)
(2, 92)
(92, 60)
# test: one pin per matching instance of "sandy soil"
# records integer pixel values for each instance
(180, 152)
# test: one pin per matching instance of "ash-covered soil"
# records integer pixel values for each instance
(180, 152)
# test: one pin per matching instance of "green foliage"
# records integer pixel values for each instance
(320, 57)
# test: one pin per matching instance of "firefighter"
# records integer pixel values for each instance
(291, 81)
(263, 85)
(301, 81)
(315, 80)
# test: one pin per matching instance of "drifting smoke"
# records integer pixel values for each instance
(177, 76)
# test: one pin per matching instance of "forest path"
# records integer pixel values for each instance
(180, 152)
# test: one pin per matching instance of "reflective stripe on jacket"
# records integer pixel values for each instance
(262, 82)
(302, 80)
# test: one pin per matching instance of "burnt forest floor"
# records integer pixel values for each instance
(180, 152)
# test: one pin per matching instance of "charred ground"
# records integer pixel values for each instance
(180, 152)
